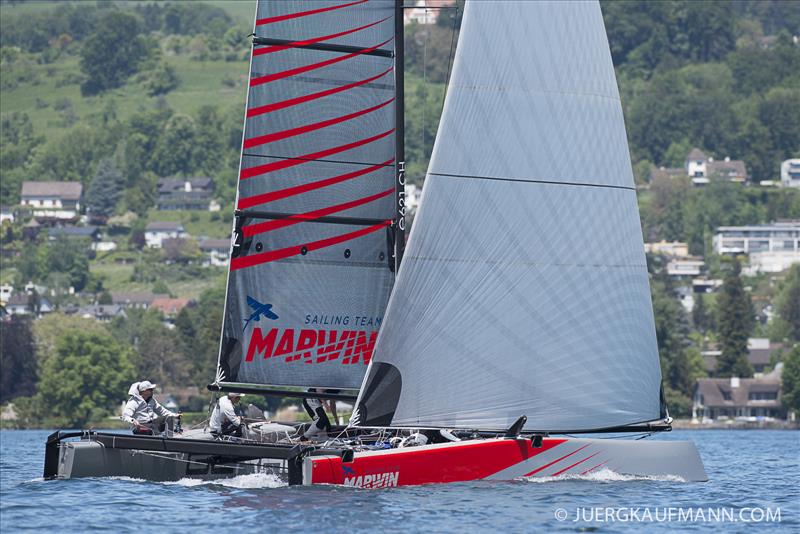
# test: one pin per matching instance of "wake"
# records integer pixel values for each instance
(605, 475)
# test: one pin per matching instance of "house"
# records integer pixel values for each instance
(701, 168)
(103, 313)
(27, 304)
(216, 251)
(52, 200)
(170, 307)
(156, 232)
(668, 248)
(685, 267)
(140, 301)
(790, 173)
(780, 236)
(6, 290)
(184, 397)
(706, 285)
(6, 214)
(185, 194)
(760, 352)
(771, 262)
(759, 355)
(724, 398)
(92, 233)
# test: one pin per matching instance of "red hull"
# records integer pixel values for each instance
(505, 459)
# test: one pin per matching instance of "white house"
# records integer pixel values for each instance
(156, 232)
(685, 267)
(781, 236)
(6, 214)
(25, 304)
(790, 173)
(5, 292)
(668, 248)
(700, 168)
(216, 251)
(52, 200)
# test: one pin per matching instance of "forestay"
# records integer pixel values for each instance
(311, 270)
(524, 288)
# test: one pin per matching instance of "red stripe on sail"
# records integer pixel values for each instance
(277, 136)
(576, 463)
(249, 202)
(285, 164)
(279, 18)
(295, 44)
(264, 257)
(253, 112)
(266, 226)
(305, 68)
(556, 461)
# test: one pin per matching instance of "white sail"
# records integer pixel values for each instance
(524, 288)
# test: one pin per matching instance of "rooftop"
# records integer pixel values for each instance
(215, 244)
(167, 226)
(63, 190)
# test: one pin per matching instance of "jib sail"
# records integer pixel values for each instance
(311, 265)
(524, 288)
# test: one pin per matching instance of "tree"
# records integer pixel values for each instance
(790, 377)
(18, 372)
(735, 321)
(161, 79)
(159, 352)
(87, 378)
(174, 153)
(105, 190)
(681, 364)
(68, 256)
(180, 250)
(700, 316)
(112, 52)
(53, 326)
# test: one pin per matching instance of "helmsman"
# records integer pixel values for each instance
(145, 415)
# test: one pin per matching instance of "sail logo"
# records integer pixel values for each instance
(259, 309)
(312, 346)
(378, 480)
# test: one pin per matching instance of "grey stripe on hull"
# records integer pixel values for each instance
(626, 457)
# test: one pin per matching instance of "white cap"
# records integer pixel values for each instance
(143, 386)
(235, 394)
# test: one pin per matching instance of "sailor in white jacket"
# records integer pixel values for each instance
(225, 419)
(143, 411)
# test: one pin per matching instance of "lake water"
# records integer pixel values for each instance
(752, 474)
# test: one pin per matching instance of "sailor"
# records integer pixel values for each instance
(316, 410)
(145, 415)
(226, 419)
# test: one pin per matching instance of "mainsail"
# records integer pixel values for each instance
(524, 288)
(311, 264)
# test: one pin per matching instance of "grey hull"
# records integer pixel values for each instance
(87, 458)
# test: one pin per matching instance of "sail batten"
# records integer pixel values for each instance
(524, 288)
(310, 270)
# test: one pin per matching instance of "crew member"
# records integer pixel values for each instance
(316, 410)
(226, 419)
(145, 415)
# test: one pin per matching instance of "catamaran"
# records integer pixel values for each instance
(518, 315)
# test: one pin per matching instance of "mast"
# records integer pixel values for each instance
(399, 138)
